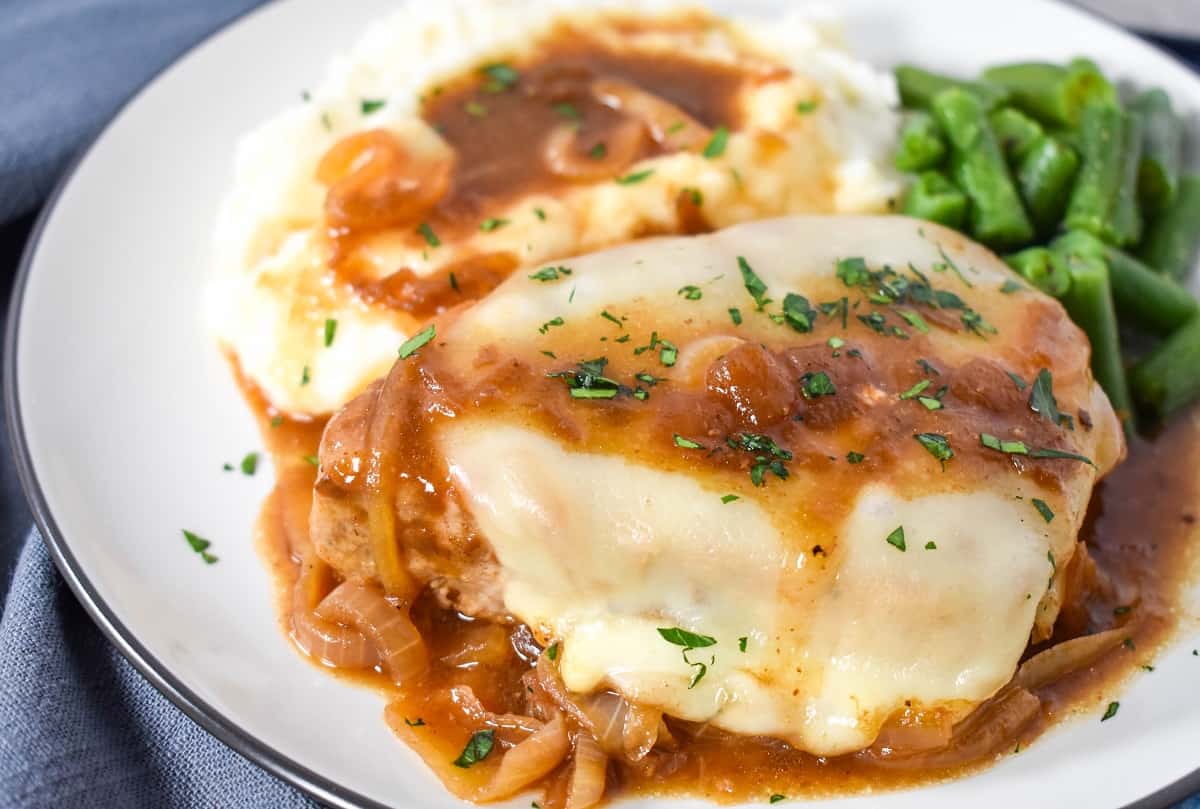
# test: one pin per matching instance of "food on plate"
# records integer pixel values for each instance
(807, 484)
(1049, 159)
(454, 146)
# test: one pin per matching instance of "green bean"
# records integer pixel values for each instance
(1171, 241)
(997, 218)
(935, 198)
(1043, 268)
(1162, 150)
(1089, 302)
(1044, 176)
(1015, 132)
(918, 87)
(1169, 377)
(1052, 93)
(1143, 297)
(921, 143)
(1104, 200)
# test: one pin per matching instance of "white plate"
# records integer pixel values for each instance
(123, 412)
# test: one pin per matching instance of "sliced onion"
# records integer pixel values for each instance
(396, 639)
(640, 733)
(512, 728)
(1063, 658)
(910, 733)
(530, 761)
(606, 713)
(336, 645)
(589, 774)
(565, 158)
(549, 684)
(661, 117)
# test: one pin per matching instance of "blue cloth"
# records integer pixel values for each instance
(79, 727)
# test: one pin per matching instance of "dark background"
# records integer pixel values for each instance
(15, 518)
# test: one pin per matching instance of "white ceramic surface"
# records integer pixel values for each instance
(125, 412)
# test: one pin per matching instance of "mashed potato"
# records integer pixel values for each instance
(814, 135)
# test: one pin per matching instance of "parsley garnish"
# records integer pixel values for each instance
(312, 460)
(686, 443)
(607, 315)
(305, 376)
(916, 390)
(1110, 711)
(370, 105)
(1050, 452)
(540, 214)
(552, 651)
(805, 107)
(330, 331)
(754, 284)
(250, 463)
(729, 498)
(228, 467)
(818, 384)
(735, 315)
(1008, 447)
(914, 320)
(1041, 400)
(588, 381)
(768, 456)
(1017, 380)
(896, 538)
(554, 321)
(1010, 286)
(491, 223)
(936, 445)
(276, 421)
(598, 151)
(477, 748)
(855, 457)
(500, 76)
(551, 273)
(1122, 610)
(931, 545)
(568, 110)
(716, 144)
(414, 723)
(410, 346)
(835, 343)
(798, 313)
(475, 109)
(690, 292)
(742, 641)
(635, 177)
(690, 641)
(200, 545)
(1043, 509)
(927, 368)
(668, 354)
(431, 238)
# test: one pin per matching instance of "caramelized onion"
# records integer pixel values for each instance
(375, 183)
(640, 733)
(530, 761)
(1063, 658)
(668, 124)
(511, 728)
(565, 158)
(589, 773)
(399, 644)
(339, 646)
(549, 684)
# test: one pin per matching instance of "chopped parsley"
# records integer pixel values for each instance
(477, 749)
(835, 343)
(735, 315)
(742, 641)
(330, 331)
(500, 77)
(635, 177)
(1010, 286)
(414, 723)
(776, 798)
(540, 214)
(1043, 509)
(588, 381)
(690, 641)
(930, 403)
(228, 467)
(1110, 711)
(916, 390)
(431, 238)
(716, 144)
(370, 105)
(305, 376)
(805, 107)
(326, 121)
(609, 316)
(936, 445)
(492, 223)
(729, 498)
(931, 545)
(1007, 447)
(312, 460)
(549, 324)
(690, 292)
(668, 354)
(927, 368)
(1017, 380)
(686, 443)
(551, 273)
(453, 282)
(1041, 400)
(276, 421)
(410, 346)
(568, 110)
(798, 313)
(1050, 452)
(695, 194)
(915, 320)
(475, 109)
(754, 284)
(855, 457)
(552, 651)
(768, 456)
(815, 385)
(250, 464)
(200, 545)
(598, 151)
(896, 539)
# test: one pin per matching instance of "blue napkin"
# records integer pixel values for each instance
(79, 727)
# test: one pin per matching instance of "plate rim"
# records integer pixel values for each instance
(225, 729)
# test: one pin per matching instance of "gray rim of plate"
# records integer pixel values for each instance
(219, 725)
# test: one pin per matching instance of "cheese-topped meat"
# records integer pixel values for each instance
(793, 478)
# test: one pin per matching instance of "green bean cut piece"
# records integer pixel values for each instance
(918, 87)
(1171, 241)
(933, 197)
(1045, 176)
(1104, 200)
(1162, 150)
(1043, 268)
(1089, 302)
(1145, 298)
(1053, 94)
(1169, 377)
(1015, 132)
(997, 216)
(921, 143)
